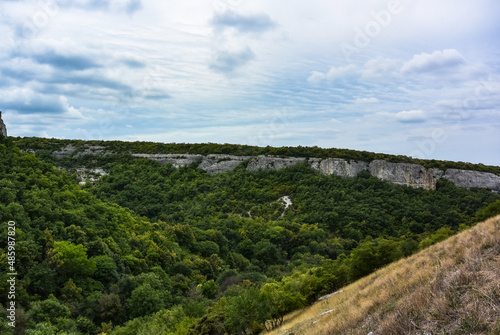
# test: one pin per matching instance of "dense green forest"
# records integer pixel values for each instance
(150, 249)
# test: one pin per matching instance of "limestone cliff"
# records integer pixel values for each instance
(407, 174)
(3, 128)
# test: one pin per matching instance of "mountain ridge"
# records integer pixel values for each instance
(408, 173)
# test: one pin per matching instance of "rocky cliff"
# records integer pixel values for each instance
(3, 128)
(412, 175)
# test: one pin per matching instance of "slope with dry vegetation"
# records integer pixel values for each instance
(450, 288)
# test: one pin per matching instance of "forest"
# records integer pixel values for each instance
(151, 249)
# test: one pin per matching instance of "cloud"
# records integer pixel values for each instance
(127, 6)
(254, 23)
(27, 101)
(133, 63)
(66, 62)
(133, 6)
(335, 73)
(438, 60)
(412, 116)
(380, 67)
(316, 77)
(228, 61)
(366, 101)
(341, 72)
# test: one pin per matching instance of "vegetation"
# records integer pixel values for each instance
(45, 147)
(450, 288)
(154, 249)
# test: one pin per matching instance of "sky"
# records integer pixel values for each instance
(415, 78)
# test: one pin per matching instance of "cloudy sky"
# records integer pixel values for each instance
(418, 78)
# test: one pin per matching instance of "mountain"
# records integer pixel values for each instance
(144, 247)
(450, 288)
(214, 158)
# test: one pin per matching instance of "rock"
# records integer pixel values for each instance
(221, 163)
(272, 162)
(340, 167)
(3, 128)
(470, 179)
(177, 160)
(412, 175)
(91, 175)
(65, 151)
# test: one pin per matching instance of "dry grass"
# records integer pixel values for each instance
(451, 288)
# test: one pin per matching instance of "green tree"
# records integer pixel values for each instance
(145, 300)
(71, 260)
(49, 310)
(209, 288)
(106, 269)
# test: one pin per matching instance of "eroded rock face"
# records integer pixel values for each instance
(412, 175)
(339, 167)
(272, 163)
(470, 179)
(3, 128)
(176, 160)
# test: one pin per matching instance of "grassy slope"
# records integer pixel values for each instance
(452, 287)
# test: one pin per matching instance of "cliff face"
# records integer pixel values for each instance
(412, 175)
(469, 179)
(3, 128)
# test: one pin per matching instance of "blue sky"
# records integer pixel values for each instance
(417, 78)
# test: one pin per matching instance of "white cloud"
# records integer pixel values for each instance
(380, 67)
(341, 72)
(316, 77)
(438, 60)
(366, 101)
(412, 116)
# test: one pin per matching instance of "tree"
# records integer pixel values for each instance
(106, 269)
(209, 288)
(247, 312)
(280, 301)
(50, 310)
(71, 260)
(145, 300)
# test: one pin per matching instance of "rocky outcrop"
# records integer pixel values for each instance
(3, 128)
(412, 175)
(470, 179)
(338, 166)
(272, 162)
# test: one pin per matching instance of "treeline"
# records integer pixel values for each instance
(202, 254)
(120, 147)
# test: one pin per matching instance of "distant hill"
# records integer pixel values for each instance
(217, 158)
(450, 288)
(51, 145)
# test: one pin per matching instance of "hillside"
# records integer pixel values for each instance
(450, 288)
(78, 148)
(83, 157)
(153, 248)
